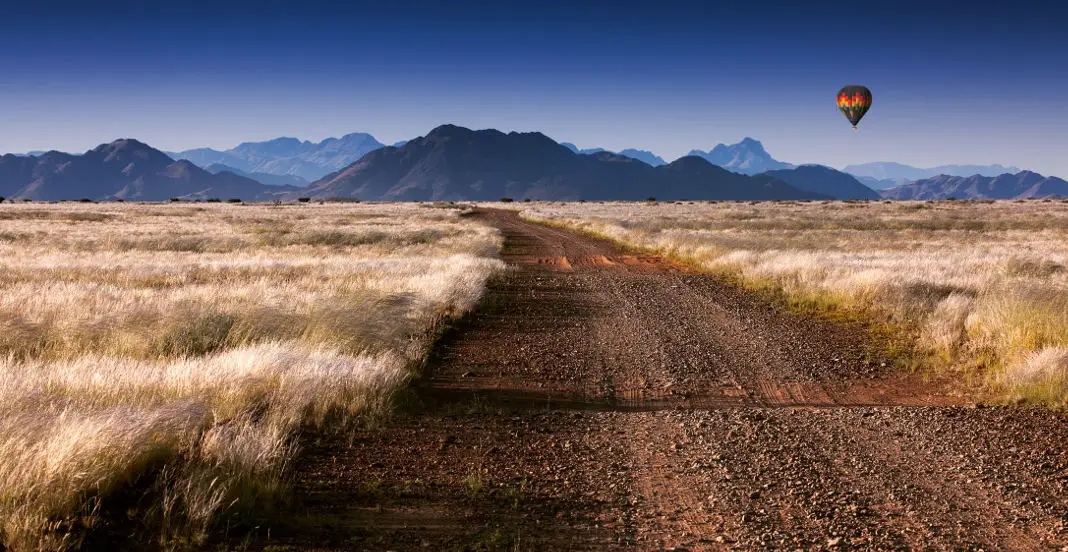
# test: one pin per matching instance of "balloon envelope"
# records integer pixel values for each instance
(854, 101)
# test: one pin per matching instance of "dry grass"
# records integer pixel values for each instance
(983, 285)
(168, 357)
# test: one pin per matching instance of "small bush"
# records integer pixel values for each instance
(650, 198)
(175, 199)
(506, 200)
(214, 200)
(234, 200)
(474, 484)
(27, 200)
(1, 199)
(85, 200)
(304, 199)
(527, 200)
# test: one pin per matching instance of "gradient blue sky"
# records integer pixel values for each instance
(954, 82)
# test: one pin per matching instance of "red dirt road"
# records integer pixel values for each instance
(600, 400)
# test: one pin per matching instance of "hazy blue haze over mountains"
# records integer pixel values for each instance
(877, 184)
(288, 156)
(898, 171)
(576, 149)
(647, 157)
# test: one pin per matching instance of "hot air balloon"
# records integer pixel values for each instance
(854, 101)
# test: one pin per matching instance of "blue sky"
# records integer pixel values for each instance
(953, 82)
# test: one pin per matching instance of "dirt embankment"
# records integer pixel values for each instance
(601, 400)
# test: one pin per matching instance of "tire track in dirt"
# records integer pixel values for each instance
(604, 400)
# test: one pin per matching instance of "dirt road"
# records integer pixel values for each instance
(601, 400)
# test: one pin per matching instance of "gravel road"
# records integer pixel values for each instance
(600, 399)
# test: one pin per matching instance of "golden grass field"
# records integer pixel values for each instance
(170, 356)
(982, 287)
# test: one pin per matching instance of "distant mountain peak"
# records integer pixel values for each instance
(689, 162)
(746, 144)
(280, 141)
(124, 144)
(351, 138)
(747, 157)
(448, 130)
(751, 143)
(532, 135)
(128, 151)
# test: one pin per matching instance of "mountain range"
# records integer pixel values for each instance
(1022, 185)
(288, 156)
(456, 163)
(124, 169)
(293, 162)
(883, 175)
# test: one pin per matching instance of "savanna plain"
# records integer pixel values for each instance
(164, 367)
(158, 363)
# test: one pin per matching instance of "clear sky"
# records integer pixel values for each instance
(953, 82)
